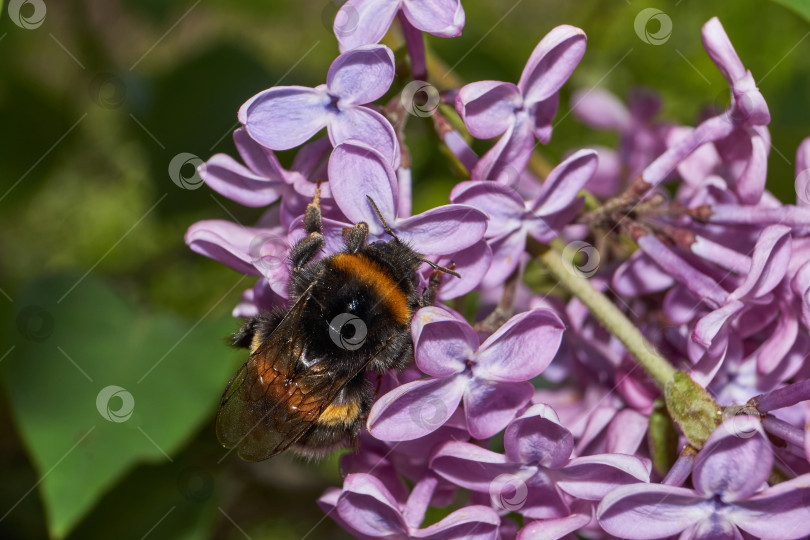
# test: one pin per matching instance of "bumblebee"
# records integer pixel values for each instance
(305, 386)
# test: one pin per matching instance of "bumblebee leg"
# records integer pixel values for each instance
(429, 296)
(355, 237)
(306, 248)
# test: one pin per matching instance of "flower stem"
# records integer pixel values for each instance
(604, 311)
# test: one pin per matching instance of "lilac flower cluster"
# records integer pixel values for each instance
(536, 421)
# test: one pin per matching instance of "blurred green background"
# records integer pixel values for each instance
(101, 298)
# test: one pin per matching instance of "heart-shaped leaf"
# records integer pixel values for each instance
(96, 386)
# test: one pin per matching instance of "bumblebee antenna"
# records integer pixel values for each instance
(440, 268)
(382, 219)
(391, 232)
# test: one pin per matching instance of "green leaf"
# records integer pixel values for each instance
(97, 386)
(691, 408)
(176, 500)
(801, 7)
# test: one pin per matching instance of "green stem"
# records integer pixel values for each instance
(604, 311)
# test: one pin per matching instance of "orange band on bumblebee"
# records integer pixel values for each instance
(373, 274)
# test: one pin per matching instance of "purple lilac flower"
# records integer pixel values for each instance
(720, 284)
(739, 134)
(511, 219)
(538, 466)
(372, 18)
(284, 117)
(727, 498)
(366, 508)
(763, 272)
(523, 111)
(262, 180)
(489, 377)
(358, 171)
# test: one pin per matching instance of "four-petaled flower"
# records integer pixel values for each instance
(537, 468)
(361, 22)
(728, 496)
(284, 117)
(490, 377)
(523, 111)
(367, 509)
(511, 219)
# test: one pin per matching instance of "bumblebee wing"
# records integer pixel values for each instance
(271, 401)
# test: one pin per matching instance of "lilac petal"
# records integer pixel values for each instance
(230, 179)
(225, 242)
(369, 126)
(713, 129)
(639, 276)
(697, 282)
(607, 180)
(779, 343)
(246, 308)
(552, 529)
(367, 507)
(471, 263)
(537, 437)
(431, 314)
(470, 466)
(803, 173)
(285, 116)
(781, 511)
(328, 504)
(595, 422)
(476, 522)
(643, 511)
(593, 477)
(543, 113)
(600, 109)
(508, 158)
(768, 262)
(507, 250)
(415, 409)
(361, 22)
(552, 62)
(489, 405)
(361, 75)
(310, 161)
(709, 326)
(715, 527)
(736, 460)
(721, 51)
(751, 183)
(502, 204)
(487, 107)
(522, 348)
(442, 346)
(626, 432)
(372, 458)
(419, 500)
(258, 159)
(443, 230)
(358, 171)
(443, 18)
(564, 182)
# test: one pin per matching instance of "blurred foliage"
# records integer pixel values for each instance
(96, 102)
